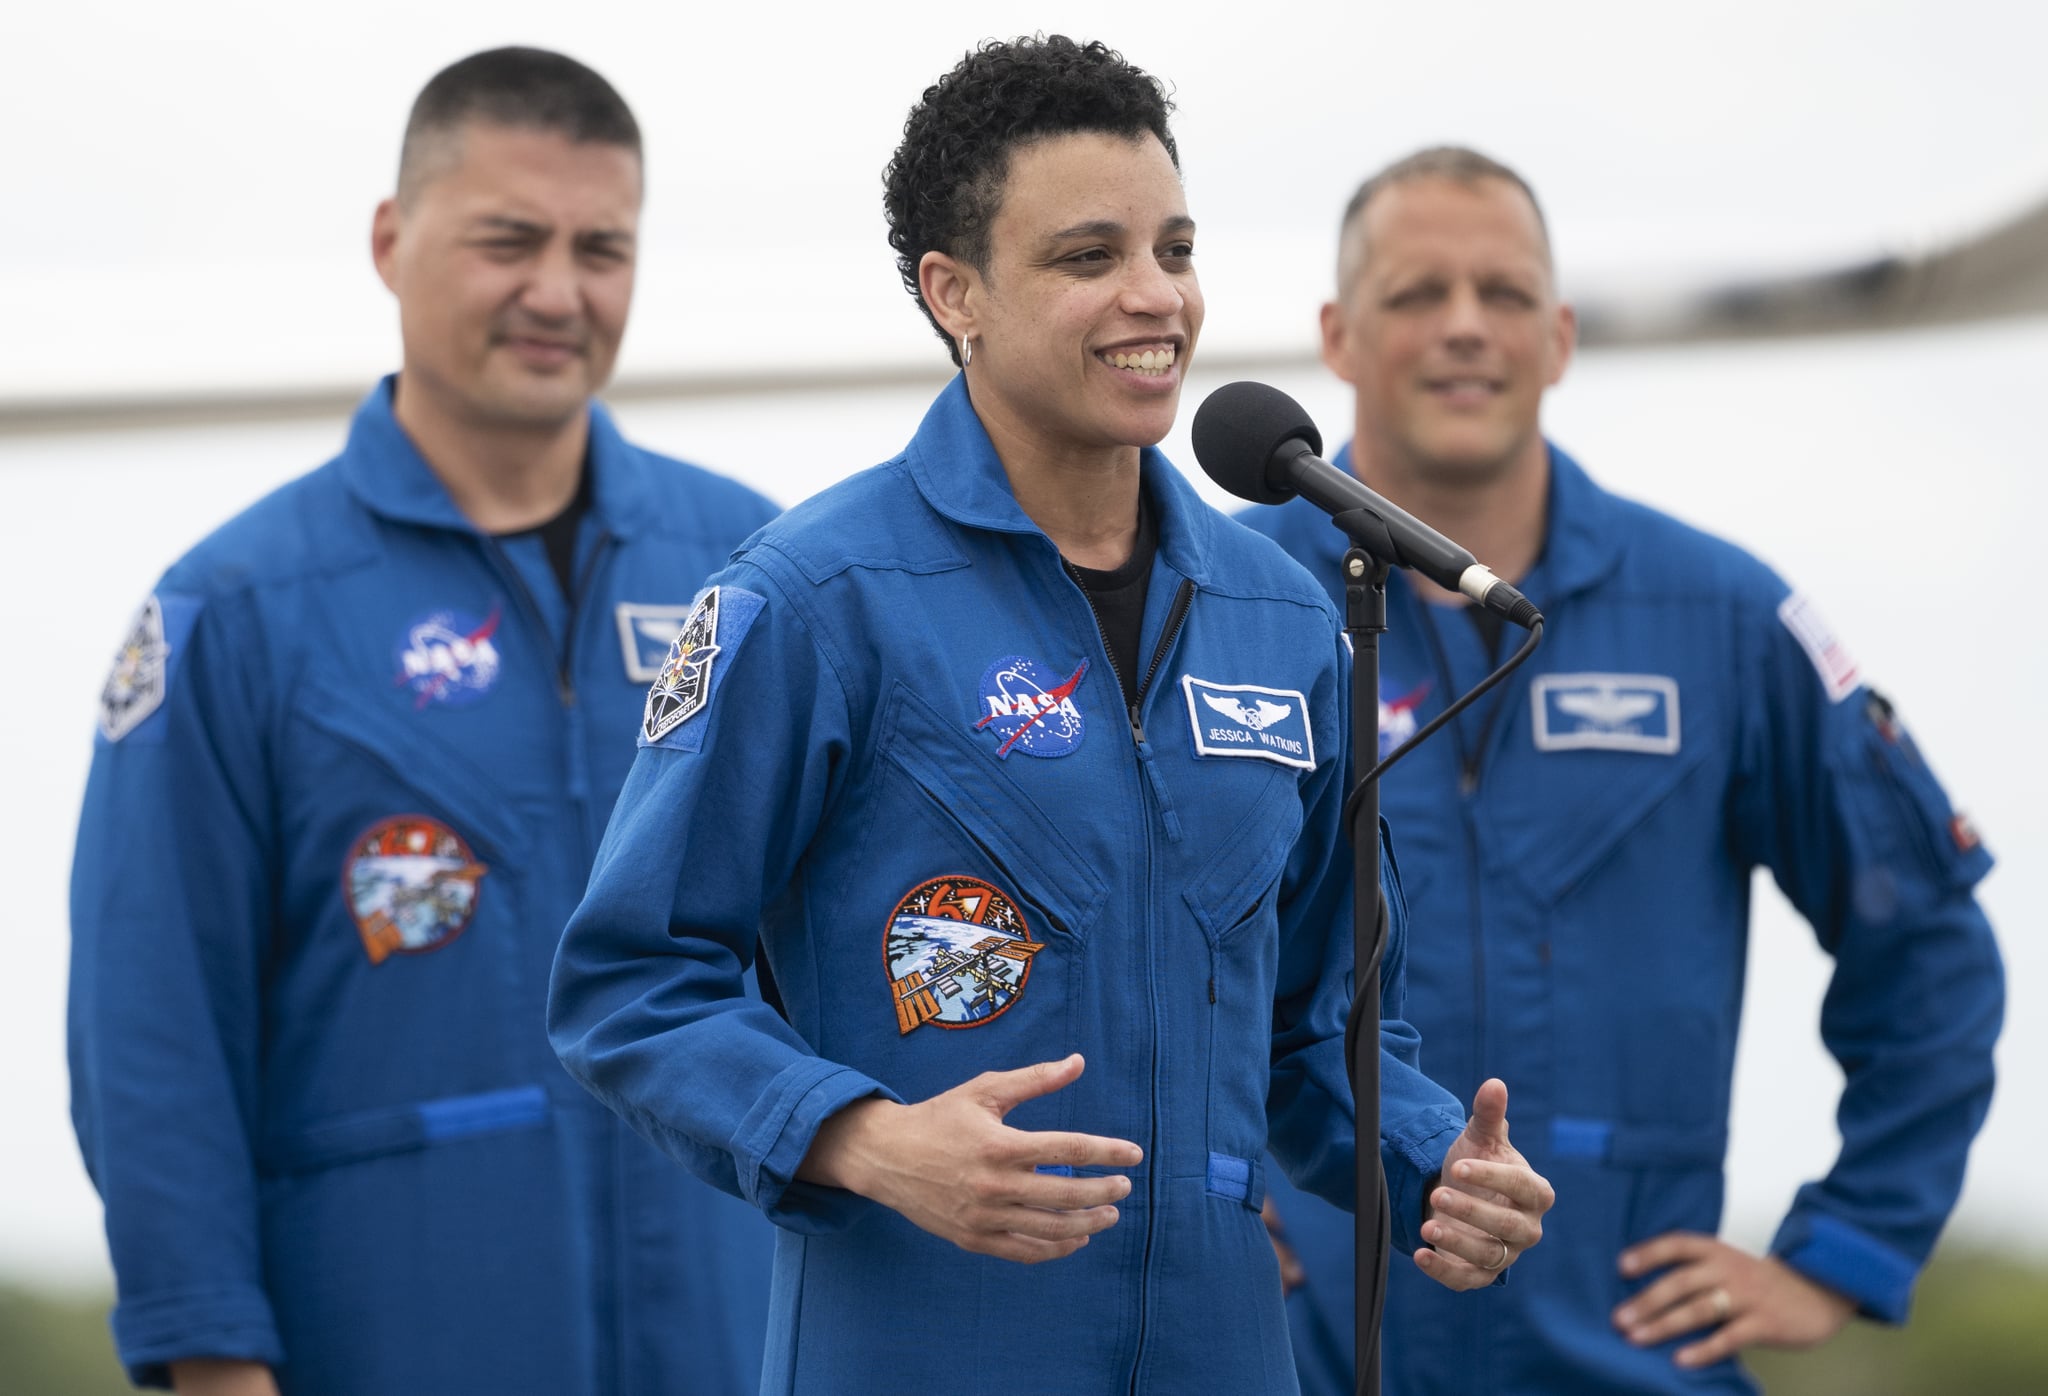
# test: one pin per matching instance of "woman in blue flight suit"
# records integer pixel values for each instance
(1010, 753)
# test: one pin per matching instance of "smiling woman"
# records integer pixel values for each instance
(953, 771)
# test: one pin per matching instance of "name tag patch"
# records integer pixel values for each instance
(645, 634)
(1243, 719)
(1606, 712)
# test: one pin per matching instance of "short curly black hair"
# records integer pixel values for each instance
(944, 185)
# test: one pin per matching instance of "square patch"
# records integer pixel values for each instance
(645, 634)
(1243, 719)
(1606, 712)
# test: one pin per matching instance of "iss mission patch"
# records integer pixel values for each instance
(1030, 708)
(958, 953)
(411, 885)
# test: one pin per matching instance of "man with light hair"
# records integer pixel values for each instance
(1578, 847)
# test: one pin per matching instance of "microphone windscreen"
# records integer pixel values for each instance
(1239, 427)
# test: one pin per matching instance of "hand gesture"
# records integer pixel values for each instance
(952, 1166)
(1489, 1207)
(1736, 1299)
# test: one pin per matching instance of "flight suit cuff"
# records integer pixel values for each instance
(1849, 1261)
(1412, 1156)
(233, 1322)
(771, 1143)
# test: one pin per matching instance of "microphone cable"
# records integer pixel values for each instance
(1436, 724)
(1354, 1020)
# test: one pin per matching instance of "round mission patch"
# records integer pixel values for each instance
(411, 885)
(958, 953)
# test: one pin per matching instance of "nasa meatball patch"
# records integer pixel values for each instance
(411, 884)
(1029, 708)
(1243, 719)
(448, 658)
(958, 953)
(716, 625)
(1606, 712)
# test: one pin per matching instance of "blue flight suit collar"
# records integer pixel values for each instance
(1580, 546)
(957, 469)
(385, 471)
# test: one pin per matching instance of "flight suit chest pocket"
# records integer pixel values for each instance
(943, 784)
(1236, 903)
(978, 907)
(408, 913)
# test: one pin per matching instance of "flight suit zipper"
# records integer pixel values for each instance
(1176, 618)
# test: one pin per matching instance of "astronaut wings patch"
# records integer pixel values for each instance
(683, 688)
(1243, 719)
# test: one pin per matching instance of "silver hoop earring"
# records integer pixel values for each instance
(966, 351)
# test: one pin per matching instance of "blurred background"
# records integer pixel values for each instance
(190, 311)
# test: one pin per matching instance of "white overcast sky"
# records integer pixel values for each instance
(186, 201)
(188, 186)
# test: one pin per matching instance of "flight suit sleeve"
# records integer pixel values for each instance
(171, 897)
(1312, 1118)
(1842, 807)
(647, 1004)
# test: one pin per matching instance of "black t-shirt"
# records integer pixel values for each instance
(558, 535)
(1118, 597)
(1489, 625)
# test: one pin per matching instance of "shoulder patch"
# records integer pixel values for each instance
(684, 687)
(958, 953)
(1831, 661)
(1242, 719)
(141, 672)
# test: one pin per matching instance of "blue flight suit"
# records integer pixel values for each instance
(354, 761)
(1578, 853)
(892, 744)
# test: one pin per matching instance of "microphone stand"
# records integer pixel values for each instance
(1365, 620)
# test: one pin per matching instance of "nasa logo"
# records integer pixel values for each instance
(1606, 712)
(1027, 710)
(448, 657)
(411, 885)
(1397, 717)
(958, 953)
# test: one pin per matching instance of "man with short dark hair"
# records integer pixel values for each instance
(1579, 847)
(354, 759)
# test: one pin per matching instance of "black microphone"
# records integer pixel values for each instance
(1256, 442)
